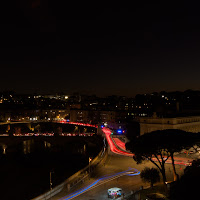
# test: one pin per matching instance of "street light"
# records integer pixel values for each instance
(90, 159)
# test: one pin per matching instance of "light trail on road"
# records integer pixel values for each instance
(77, 123)
(117, 147)
(101, 181)
(113, 148)
(121, 145)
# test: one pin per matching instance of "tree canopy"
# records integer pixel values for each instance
(160, 145)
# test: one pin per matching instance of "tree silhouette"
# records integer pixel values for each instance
(187, 187)
(174, 140)
(146, 148)
(159, 146)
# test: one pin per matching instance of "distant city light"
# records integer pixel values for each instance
(119, 131)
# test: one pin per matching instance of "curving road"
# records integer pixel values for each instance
(114, 173)
(118, 147)
(101, 181)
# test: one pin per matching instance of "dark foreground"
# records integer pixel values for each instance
(25, 168)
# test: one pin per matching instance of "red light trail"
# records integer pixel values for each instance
(113, 148)
(120, 143)
(122, 150)
(78, 123)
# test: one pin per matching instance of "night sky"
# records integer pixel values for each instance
(49, 46)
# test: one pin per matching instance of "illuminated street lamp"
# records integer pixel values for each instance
(90, 159)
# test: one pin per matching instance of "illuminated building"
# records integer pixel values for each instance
(189, 124)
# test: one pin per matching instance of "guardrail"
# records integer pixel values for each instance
(77, 178)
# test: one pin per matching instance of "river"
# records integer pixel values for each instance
(26, 162)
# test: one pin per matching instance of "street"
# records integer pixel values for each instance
(106, 176)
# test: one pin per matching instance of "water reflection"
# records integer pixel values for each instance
(47, 144)
(4, 148)
(84, 148)
(27, 144)
(80, 149)
(30, 146)
(34, 146)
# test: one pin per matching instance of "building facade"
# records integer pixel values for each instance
(189, 124)
(79, 116)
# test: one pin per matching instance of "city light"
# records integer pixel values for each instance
(119, 131)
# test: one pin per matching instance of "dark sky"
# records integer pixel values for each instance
(48, 46)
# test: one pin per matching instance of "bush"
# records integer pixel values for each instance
(150, 175)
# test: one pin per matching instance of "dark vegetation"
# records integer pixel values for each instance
(159, 146)
(188, 185)
(150, 175)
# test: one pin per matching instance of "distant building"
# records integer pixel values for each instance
(60, 97)
(79, 116)
(190, 124)
(107, 116)
(75, 106)
(54, 114)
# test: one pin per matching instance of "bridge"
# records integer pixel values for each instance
(27, 134)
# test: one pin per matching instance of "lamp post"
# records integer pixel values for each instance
(90, 159)
(50, 183)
